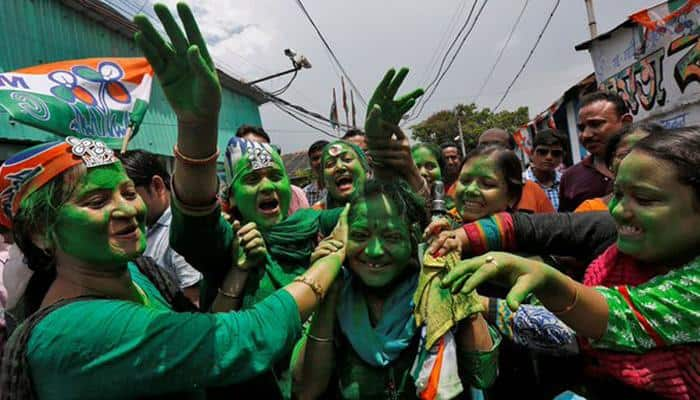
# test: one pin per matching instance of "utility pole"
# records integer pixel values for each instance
(592, 27)
(461, 137)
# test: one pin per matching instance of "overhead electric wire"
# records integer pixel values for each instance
(532, 51)
(500, 53)
(434, 87)
(449, 30)
(285, 87)
(328, 48)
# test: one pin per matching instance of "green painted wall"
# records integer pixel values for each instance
(43, 31)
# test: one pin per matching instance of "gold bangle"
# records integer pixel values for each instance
(317, 289)
(194, 161)
(228, 294)
(319, 339)
(570, 306)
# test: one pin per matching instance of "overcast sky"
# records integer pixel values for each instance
(247, 38)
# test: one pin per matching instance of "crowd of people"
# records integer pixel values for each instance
(399, 272)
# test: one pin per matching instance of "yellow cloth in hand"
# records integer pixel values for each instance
(437, 308)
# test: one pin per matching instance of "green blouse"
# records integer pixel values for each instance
(661, 312)
(116, 349)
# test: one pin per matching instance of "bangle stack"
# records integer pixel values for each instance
(317, 289)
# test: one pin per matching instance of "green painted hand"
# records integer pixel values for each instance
(523, 276)
(383, 109)
(184, 68)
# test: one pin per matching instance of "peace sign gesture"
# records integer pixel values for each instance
(183, 66)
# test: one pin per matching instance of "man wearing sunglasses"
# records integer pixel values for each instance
(546, 157)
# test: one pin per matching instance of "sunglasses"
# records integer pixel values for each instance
(554, 152)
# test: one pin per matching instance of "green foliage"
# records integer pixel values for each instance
(442, 126)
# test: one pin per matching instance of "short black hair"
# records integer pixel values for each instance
(141, 166)
(620, 105)
(547, 137)
(317, 146)
(352, 133)
(256, 130)
(447, 144)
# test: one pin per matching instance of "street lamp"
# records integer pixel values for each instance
(299, 61)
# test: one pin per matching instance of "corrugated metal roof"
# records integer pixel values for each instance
(44, 31)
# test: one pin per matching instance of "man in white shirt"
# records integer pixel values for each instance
(153, 185)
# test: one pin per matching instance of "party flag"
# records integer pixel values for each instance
(334, 112)
(98, 98)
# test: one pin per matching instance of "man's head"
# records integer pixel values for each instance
(601, 116)
(151, 179)
(498, 137)
(452, 158)
(315, 152)
(357, 137)
(548, 151)
(253, 134)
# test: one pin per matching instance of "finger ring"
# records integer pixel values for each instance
(491, 260)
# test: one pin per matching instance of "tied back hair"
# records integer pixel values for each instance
(680, 147)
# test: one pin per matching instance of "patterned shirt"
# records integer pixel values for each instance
(314, 194)
(661, 312)
(552, 192)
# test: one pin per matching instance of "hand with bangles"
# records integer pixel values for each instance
(443, 239)
(557, 292)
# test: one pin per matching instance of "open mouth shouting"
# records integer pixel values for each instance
(344, 181)
(268, 205)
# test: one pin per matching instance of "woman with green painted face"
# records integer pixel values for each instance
(345, 170)
(363, 341)
(104, 319)
(428, 159)
(637, 309)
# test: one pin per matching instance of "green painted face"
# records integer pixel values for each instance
(343, 173)
(379, 245)
(261, 196)
(427, 164)
(104, 221)
(481, 189)
(657, 216)
(624, 147)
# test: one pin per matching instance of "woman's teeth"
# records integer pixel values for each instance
(629, 230)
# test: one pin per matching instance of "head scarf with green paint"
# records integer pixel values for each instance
(345, 170)
(259, 189)
(71, 200)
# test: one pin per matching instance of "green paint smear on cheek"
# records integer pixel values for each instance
(83, 232)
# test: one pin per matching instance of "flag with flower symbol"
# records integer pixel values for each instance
(98, 98)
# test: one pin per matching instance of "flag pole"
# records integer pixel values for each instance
(127, 137)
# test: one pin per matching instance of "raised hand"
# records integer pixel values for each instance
(183, 66)
(389, 110)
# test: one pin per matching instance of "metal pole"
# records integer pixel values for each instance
(461, 137)
(289, 71)
(591, 19)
